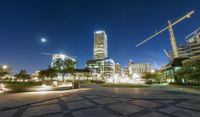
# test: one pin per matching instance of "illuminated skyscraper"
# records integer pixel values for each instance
(101, 64)
(100, 45)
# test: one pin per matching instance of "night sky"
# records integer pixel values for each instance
(69, 25)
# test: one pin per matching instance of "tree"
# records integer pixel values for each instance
(156, 77)
(64, 67)
(58, 66)
(48, 73)
(189, 73)
(69, 68)
(42, 75)
(4, 72)
(159, 77)
(23, 75)
(148, 78)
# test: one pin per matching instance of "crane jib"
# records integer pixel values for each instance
(188, 15)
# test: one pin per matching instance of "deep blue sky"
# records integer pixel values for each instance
(69, 25)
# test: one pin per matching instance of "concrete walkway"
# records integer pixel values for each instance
(101, 102)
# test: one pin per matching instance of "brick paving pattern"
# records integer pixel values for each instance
(93, 105)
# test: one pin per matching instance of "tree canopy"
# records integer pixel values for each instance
(64, 67)
(48, 73)
(189, 73)
(4, 72)
(23, 75)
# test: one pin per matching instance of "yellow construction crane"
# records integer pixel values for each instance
(172, 37)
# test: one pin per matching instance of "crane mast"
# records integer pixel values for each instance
(172, 37)
(173, 41)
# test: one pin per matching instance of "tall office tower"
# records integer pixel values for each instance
(100, 45)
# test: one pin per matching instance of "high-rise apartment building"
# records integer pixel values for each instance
(194, 43)
(100, 45)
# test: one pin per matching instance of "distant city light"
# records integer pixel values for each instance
(5, 66)
(43, 40)
(152, 71)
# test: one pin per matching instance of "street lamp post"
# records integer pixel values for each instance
(3, 71)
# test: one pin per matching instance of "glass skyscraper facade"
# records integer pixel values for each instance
(104, 67)
(100, 45)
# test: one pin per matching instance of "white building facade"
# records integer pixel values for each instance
(137, 70)
(60, 57)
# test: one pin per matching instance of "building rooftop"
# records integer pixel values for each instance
(99, 32)
(63, 56)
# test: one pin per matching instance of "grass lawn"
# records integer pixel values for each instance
(123, 85)
(21, 86)
(89, 82)
(185, 86)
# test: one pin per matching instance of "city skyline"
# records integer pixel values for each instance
(66, 28)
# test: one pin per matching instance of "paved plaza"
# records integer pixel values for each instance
(101, 102)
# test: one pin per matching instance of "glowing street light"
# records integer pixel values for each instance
(152, 71)
(5, 67)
